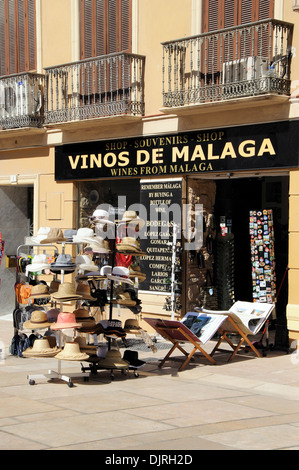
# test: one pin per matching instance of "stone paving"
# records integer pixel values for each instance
(248, 404)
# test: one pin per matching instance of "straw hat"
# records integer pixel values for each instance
(120, 274)
(132, 218)
(40, 291)
(54, 286)
(84, 347)
(54, 235)
(72, 352)
(66, 291)
(99, 245)
(136, 272)
(124, 298)
(113, 360)
(65, 320)
(129, 244)
(84, 291)
(41, 348)
(132, 326)
(83, 317)
(37, 320)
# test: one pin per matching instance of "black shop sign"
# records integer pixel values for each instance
(254, 147)
(161, 200)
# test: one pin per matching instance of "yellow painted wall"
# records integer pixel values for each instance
(159, 21)
(55, 32)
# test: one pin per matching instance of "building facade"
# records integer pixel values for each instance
(106, 103)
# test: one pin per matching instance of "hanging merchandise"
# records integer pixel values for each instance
(225, 265)
(261, 231)
(208, 293)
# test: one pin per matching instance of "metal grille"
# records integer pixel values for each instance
(246, 60)
(103, 86)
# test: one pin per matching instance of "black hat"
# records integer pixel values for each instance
(132, 358)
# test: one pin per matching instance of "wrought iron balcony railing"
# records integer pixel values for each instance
(247, 60)
(93, 88)
(21, 100)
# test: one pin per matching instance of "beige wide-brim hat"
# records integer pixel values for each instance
(38, 320)
(136, 272)
(82, 233)
(84, 291)
(82, 316)
(85, 263)
(72, 352)
(40, 291)
(41, 348)
(129, 244)
(131, 217)
(54, 235)
(66, 291)
(132, 326)
(124, 298)
(84, 347)
(113, 360)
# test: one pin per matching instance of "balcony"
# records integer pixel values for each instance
(100, 87)
(21, 101)
(243, 61)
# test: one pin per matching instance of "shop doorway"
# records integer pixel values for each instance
(235, 198)
(16, 219)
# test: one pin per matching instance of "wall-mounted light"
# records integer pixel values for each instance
(13, 179)
(296, 5)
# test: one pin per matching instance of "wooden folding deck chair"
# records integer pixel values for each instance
(177, 333)
(234, 324)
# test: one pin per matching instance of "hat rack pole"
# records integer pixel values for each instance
(58, 374)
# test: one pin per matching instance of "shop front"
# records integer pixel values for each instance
(216, 207)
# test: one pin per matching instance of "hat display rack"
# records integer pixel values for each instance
(124, 248)
(61, 329)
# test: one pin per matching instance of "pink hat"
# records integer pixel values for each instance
(65, 320)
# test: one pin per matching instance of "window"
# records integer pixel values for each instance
(17, 36)
(219, 14)
(105, 27)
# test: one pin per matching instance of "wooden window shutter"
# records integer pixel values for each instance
(218, 14)
(2, 39)
(17, 36)
(105, 27)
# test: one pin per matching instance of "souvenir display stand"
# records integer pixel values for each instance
(261, 229)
